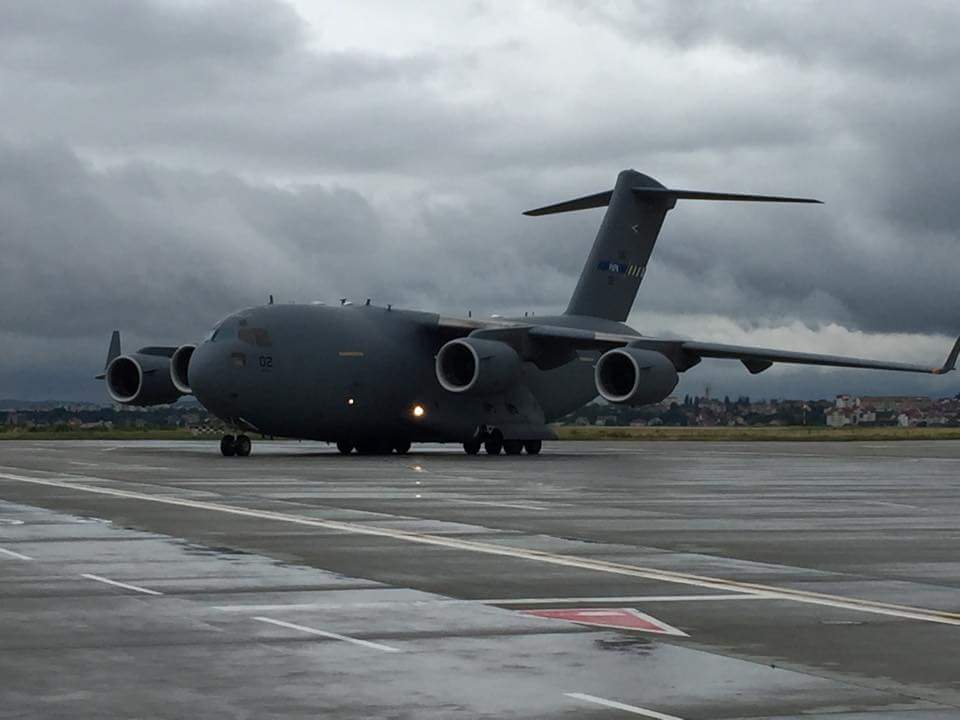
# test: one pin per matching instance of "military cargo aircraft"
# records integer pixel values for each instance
(376, 379)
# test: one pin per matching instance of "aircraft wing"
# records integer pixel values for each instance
(687, 353)
(548, 343)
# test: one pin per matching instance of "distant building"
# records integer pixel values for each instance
(851, 413)
(846, 402)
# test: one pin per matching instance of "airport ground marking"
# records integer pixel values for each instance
(328, 634)
(628, 598)
(117, 583)
(613, 704)
(614, 568)
(14, 555)
(297, 607)
(609, 618)
(492, 503)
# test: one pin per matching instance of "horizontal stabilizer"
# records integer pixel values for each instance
(704, 195)
(602, 199)
(582, 203)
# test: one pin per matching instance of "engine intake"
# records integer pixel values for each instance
(635, 377)
(179, 365)
(141, 379)
(476, 366)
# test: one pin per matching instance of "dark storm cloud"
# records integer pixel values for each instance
(163, 163)
(861, 36)
(159, 250)
(223, 79)
(874, 86)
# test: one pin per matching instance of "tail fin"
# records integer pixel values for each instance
(618, 260)
(112, 353)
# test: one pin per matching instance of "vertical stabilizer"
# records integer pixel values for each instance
(618, 259)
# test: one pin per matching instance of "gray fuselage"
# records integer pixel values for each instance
(353, 372)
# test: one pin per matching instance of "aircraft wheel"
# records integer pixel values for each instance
(344, 447)
(242, 446)
(532, 446)
(494, 444)
(401, 447)
(471, 447)
(366, 447)
(228, 446)
(513, 447)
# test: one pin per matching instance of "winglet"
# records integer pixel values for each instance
(951, 361)
(112, 353)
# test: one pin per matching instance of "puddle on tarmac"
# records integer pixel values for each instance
(633, 645)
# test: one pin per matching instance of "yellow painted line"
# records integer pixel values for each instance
(614, 568)
(350, 353)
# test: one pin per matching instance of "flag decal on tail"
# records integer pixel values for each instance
(621, 268)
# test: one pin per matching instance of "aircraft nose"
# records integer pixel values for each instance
(205, 374)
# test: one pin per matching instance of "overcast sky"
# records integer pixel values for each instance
(163, 163)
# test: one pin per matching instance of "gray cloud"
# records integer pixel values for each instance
(163, 163)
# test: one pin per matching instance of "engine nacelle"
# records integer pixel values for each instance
(141, 379)
(635, 377)
(476, 366)
(179, 365)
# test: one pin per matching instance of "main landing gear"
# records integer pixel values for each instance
(374, 447)
(239, 445)
(494, 443)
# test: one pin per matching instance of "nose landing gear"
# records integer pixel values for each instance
(239, 446)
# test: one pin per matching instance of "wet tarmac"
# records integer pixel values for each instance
(160, 580)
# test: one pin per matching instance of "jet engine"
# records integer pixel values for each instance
(179, 364)
(634, 377)
(141, 379)
(476, 366)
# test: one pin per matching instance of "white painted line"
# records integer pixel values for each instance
(614, 568)
(622, 706)
(295, 607)
(326, 634)
(11, 553)
(515, 506)
(126, 586)
(630, 598)
(892, 504)
(292, 607)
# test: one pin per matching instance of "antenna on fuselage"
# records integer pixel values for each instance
(271, 300)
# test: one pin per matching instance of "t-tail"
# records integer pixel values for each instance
(621, 251)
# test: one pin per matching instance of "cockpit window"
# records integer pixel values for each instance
(238, 327)
(221, 331)
(255, 336)
(224, 332)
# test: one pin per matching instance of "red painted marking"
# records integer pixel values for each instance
(617, 618)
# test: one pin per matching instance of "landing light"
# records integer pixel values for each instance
(351, 401)
(419, 411)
